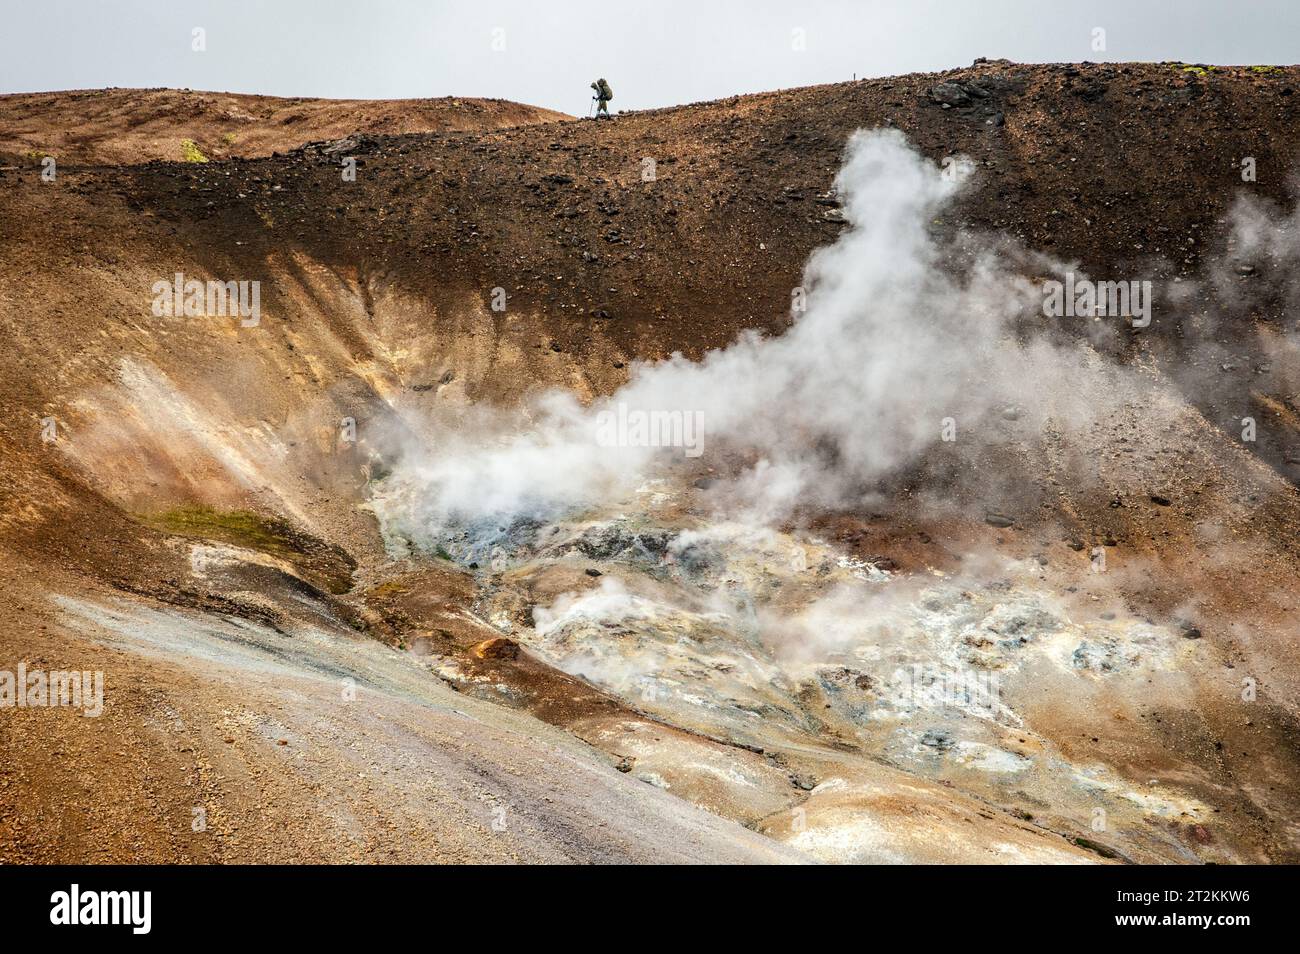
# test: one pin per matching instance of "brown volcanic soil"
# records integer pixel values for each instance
(377, 292)
(123, 126)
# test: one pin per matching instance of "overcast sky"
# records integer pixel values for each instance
(545, 52)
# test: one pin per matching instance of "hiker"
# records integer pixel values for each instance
(603, 95)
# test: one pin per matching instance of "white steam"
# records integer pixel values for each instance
(902, 337)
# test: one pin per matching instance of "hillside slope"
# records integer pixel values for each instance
(116, 126)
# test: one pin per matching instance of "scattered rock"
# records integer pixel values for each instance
(338, 146)
(1089, 92)
(937, 739)
(498, 647)
(949, 94)
(1091, 845)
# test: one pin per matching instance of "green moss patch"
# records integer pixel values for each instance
(190, 151)
(323, 563)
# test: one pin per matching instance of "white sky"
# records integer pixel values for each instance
(654, 52)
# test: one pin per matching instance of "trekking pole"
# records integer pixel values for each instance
(591, 107)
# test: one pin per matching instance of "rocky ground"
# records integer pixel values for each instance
(181, 511)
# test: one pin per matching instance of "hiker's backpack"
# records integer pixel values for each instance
(605, 92)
